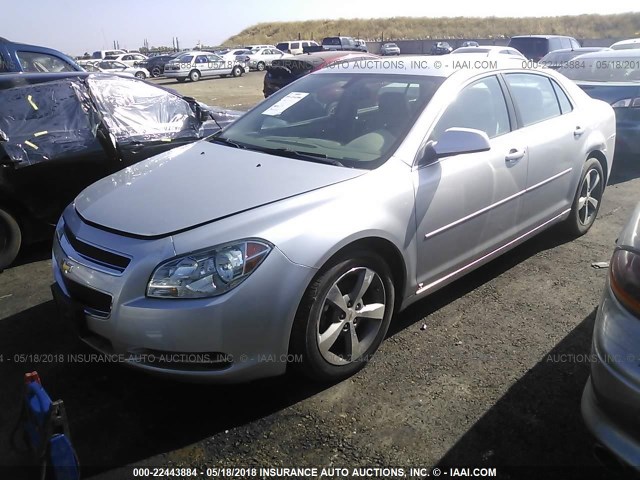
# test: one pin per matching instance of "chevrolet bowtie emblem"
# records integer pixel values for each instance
(66, 267)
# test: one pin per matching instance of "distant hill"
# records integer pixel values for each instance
(400, 28)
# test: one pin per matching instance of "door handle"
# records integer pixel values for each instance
(514, 155)
(578, 131)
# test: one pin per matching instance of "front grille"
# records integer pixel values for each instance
(88, 297)
(95, 254)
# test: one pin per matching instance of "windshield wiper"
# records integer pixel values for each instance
(225, 141)
(310, 156)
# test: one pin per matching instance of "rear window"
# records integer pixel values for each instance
(331, 41)
(535, 48)
(282, 46)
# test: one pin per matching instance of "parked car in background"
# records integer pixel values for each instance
(351, 210)
(284, 71)
(102, 54)
(534, 47)
(362, 44)
(491, 51)
(389, 49)
(614, 77)
(112, 66)
(20, 57)
(612, 394)
(258, 47)
(562, 58)
(238, 55)
(470, 43)
(197, 64)
(441, 48)
(61, 132)
(155, 65)
(626, 44)
(295, 47)
(262, 58)
(336, 43)
(130, 59)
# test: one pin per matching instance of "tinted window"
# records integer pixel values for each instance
(201, 59)
(531, 47)
(305, 44)
(565, 104)
(534, 97)
(481, 106)
(283, 46)
(42, 63)
(4, 67)
(295, 45)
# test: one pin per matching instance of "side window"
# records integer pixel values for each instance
(574, 43)
(534, 97)
(295, 45)
(565, 104)
(4, 67)
(42, 63)
(305, 44)
(481, 106)
(201, 59)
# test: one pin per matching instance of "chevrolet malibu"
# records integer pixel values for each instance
(294, 236)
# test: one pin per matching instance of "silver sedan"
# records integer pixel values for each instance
(293, 237)
(611, 398)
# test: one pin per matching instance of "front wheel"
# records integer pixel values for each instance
(237, 71)
(343, 317)
(10, 239)
(156, 71)
(194, 76)
(141, 75)
(587, 200)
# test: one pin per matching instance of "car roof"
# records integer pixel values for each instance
(612, 54)
(542, 36)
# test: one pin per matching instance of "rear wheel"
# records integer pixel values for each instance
(10, 238)
(194, 76)
(586, 203)
(260, 66)
(156, 71)
(343, 317)
(237, 71)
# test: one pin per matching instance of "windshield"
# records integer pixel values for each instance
(603, 69)
(348, 119)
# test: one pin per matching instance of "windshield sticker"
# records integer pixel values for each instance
(286, 102)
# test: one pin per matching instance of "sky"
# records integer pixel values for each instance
(78, 26)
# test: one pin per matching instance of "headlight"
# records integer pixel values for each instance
(624, 274)
(209, 272)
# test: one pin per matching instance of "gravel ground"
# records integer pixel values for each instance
(486, 372)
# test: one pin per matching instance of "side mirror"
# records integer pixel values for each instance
(456, 141)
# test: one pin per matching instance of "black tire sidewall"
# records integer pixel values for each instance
(260, 66)
(156, 72)
(236, 71)
(10, 247)
(304, 340)
(573, 224)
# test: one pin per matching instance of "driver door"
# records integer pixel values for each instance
(469, 205)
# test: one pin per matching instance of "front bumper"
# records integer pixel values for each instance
(238, 336)
(611, 399)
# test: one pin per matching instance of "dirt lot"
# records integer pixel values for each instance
(234, 93)
(493, 379)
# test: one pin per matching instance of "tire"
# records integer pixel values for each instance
(141, 75)
(586, 203)
(181, 80)
(156, 71)
(10, 239)
(260, 66)
(194, 75)
(237, 71)
(323, 330)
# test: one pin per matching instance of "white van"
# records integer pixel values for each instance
(101, 54)
(295, 46)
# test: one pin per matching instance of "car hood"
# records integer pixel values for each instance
(197, 184)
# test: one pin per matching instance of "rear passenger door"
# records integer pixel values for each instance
(553, 134)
